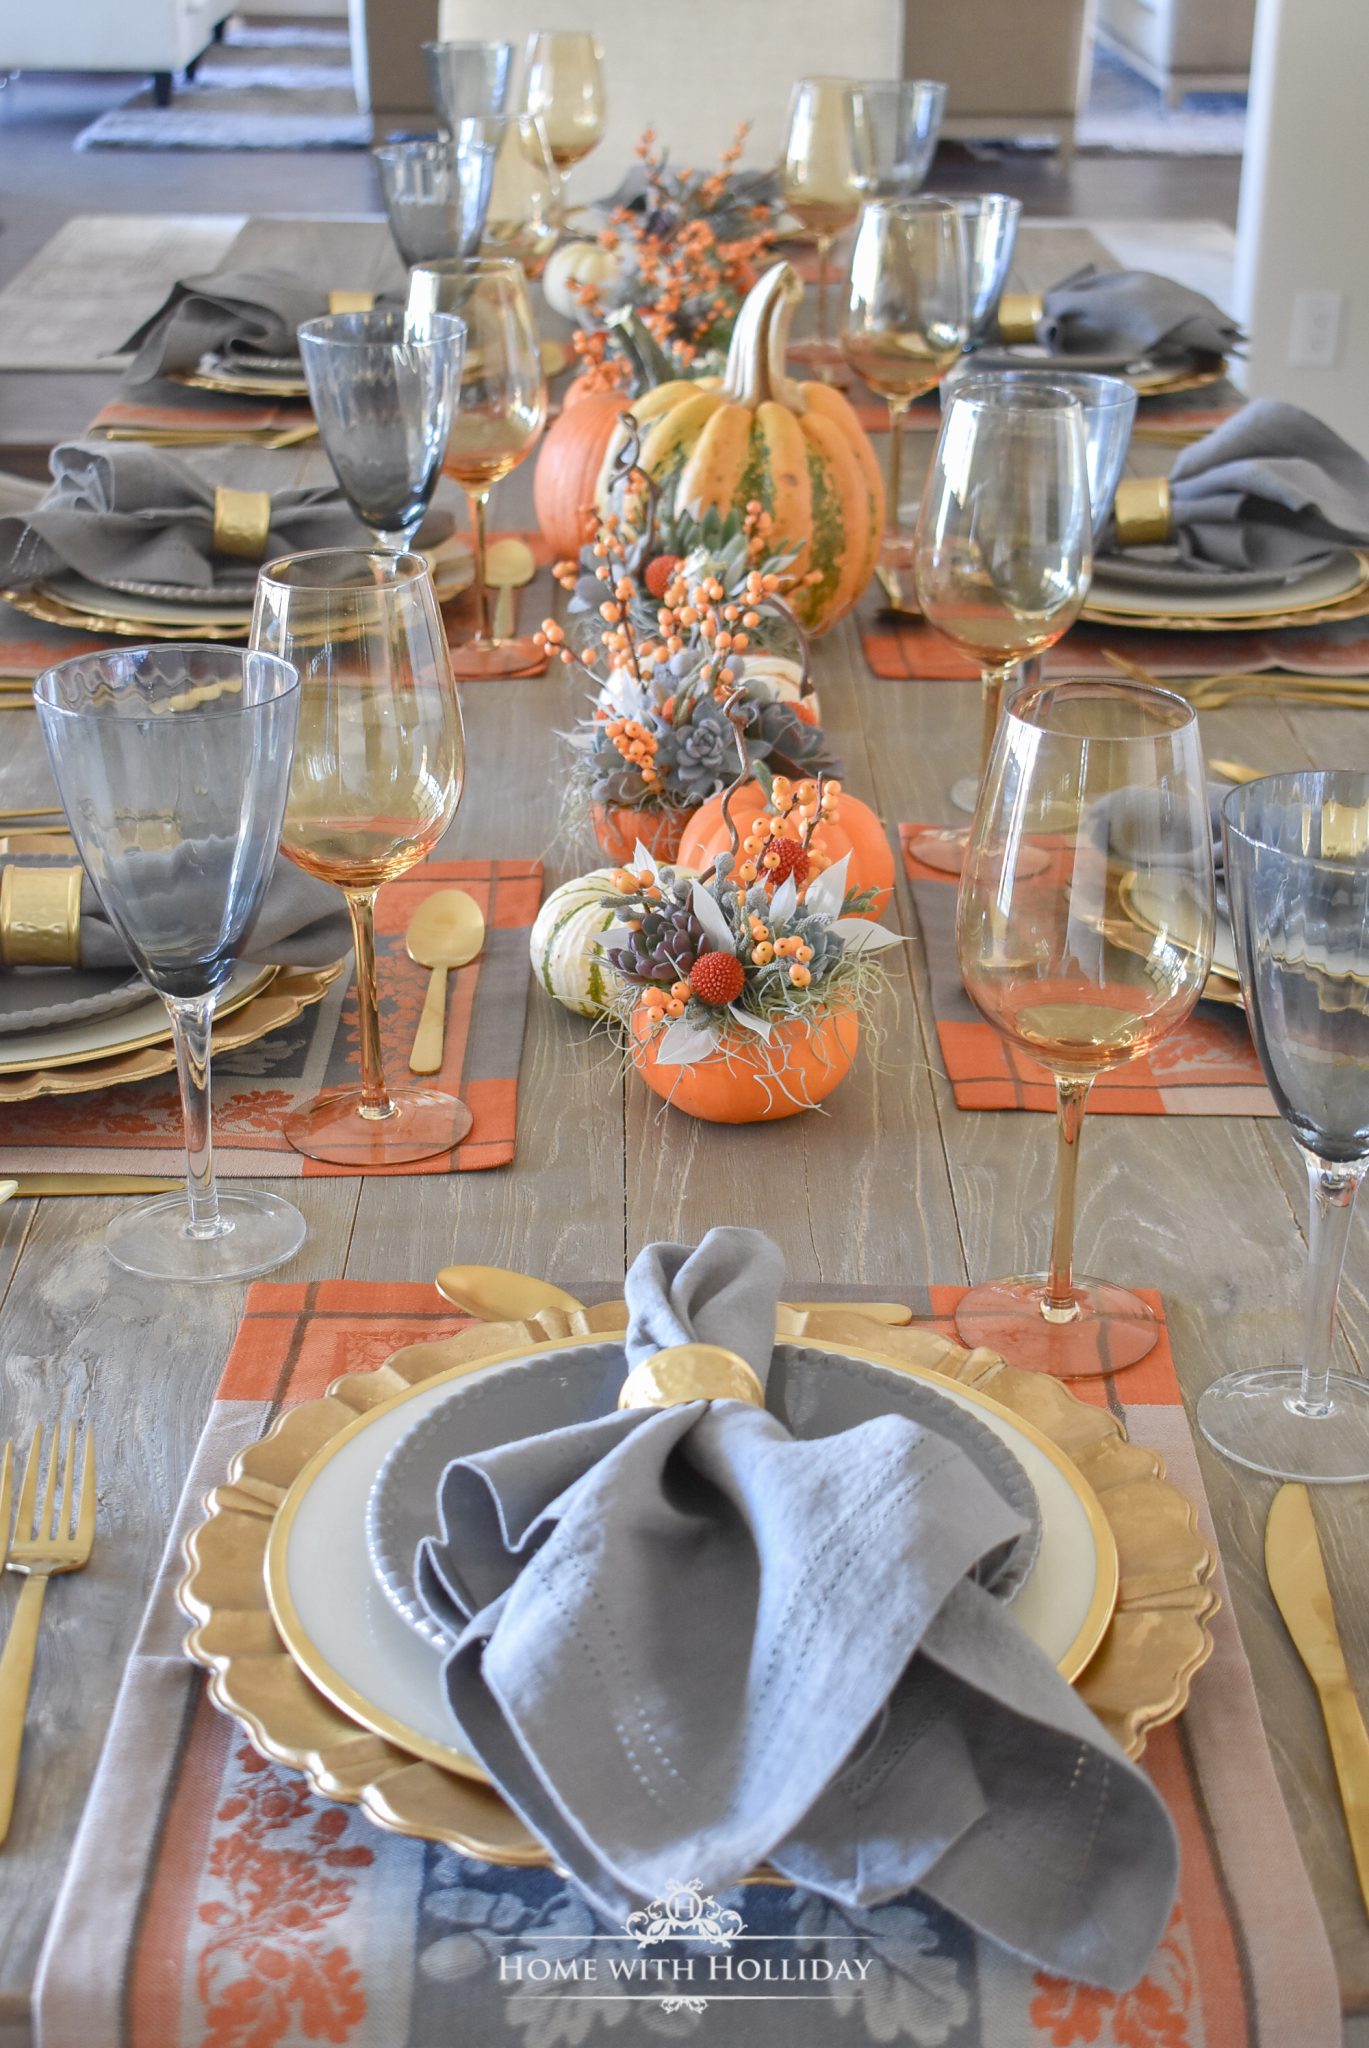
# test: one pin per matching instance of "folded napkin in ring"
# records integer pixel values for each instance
(1118, 316)
(121, 513)
(300, 924)
(1272, 488)
(695, 1643)
(246, 314)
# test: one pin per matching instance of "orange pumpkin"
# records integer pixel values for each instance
(568, 465)
(748, 1081)
(855, 830)
(618, 830)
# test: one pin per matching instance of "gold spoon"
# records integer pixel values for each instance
(447, 930)
(497, 1295)
(509, 564)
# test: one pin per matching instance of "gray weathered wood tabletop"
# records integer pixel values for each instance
(896, 1188)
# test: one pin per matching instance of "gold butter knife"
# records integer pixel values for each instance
(25, 1185)
(1297, 1579)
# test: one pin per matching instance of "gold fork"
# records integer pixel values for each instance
(56, 1538)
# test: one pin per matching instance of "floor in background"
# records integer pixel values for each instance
(1125, 114)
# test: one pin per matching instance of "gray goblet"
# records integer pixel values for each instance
(384, 386)
(437, 192)
(468, 80)
(990, 223)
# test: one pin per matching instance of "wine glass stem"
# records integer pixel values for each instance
(192, 1020)
(1332, 1189)
(375, 1101)
(1071, 1096)
(824, 287)
(477, 501)
(897, 408)
(992, 683)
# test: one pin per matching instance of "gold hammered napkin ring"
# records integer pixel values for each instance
(242, 522)
(351, 302)
(1019, 314)
(690, 1372)
(1143, 511)
(40, 916)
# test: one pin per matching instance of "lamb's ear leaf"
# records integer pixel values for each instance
(683, 1044)
(717, 930)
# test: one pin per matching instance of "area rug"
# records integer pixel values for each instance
(247, 94)
(1125, 115)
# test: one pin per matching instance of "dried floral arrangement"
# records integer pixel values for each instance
(689, 246)
(672, 624)
(773, 938)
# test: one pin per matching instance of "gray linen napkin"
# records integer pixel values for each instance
(118, 512)
(1271, 488)
(1123, 314)
(246, 314)
(301, 923)
(695, 1643)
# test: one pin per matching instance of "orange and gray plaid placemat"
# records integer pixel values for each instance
(213, 1901)
(1207, 1067)
(901, 649)
(137, 1129)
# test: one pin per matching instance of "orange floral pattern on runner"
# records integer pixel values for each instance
(1153, 2014)
(264, 1973)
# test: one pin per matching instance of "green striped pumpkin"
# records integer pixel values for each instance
(565, 943)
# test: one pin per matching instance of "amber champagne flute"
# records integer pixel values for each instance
(907, 316)
(500, 412)
(1003, 549)
(564, 84)
(1093, 791)
(379, 761)
(822, 174)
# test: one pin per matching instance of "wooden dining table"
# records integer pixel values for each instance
(895, 1189)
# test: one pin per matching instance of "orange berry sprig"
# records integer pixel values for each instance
(782, 840)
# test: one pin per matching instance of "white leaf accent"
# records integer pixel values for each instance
(717, 930)
(642, 859)
(861, 936)
(760, 1025)
(827, 893)
(683, 1044)
(783, 903)
(613, 935)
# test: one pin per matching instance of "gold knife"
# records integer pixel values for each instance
(1297, 1578)
(25, 1185)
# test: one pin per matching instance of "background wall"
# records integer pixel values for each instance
(1302, 267)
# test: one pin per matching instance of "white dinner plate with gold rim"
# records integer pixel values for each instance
(345, 1635)
(98, 1038)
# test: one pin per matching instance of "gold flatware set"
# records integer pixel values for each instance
(1214, 692)
(50, 1537)
(446, 931)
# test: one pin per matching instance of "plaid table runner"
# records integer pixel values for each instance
(1207, 1067)
(906, 649)
(212, 1901)
(137, 1129)
(165, 408)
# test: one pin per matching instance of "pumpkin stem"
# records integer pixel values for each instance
(647, 360)
(755, 361)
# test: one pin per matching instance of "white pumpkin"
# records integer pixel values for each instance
(775, 679)
(565, 943)
(578, 263)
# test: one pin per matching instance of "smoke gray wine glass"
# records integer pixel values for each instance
(1297, 876)
(173, 765)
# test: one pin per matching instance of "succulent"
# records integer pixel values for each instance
(664, 947)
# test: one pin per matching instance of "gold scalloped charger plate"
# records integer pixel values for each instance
(1158, 1636)
(272, 1002)
(84, 1039)
(36, 604)
(346, 1636)
(1315, 610)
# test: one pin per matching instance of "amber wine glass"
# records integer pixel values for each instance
(564, 84)
(1003, 549)
(1095, 799)
(907, 316)
(500, 412)
(379, 761)
(822, 175)
(525, 210)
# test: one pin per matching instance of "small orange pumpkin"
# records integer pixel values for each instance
(750, 1081)
(856, 830)
(618, 830)
(575, 446)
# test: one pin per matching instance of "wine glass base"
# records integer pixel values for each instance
(153, 1240)
(497, 657)
(944, 850)
(331, 1127)
(1247, 1416)
(1112, 1329)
